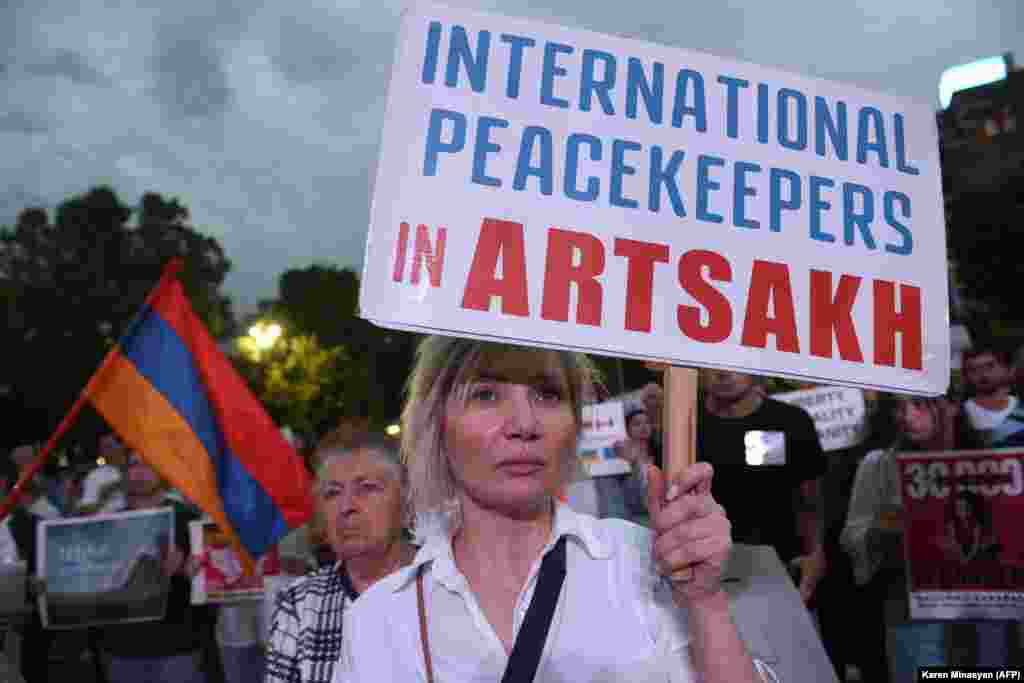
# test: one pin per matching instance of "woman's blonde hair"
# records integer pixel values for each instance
(443, 367)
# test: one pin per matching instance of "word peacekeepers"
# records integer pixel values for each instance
(877, 218)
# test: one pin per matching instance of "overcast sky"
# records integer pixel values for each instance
(264, 118)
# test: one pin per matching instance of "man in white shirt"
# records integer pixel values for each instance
(994, 416)
(101, 488)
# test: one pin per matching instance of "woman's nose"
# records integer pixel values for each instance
(521, 413)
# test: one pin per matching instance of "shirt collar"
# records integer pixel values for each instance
(436, 546)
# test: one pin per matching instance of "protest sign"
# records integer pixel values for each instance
(221, 577)
(839, 414)
(964, 549)
(104, 569)
(630, 199)
(604, 424)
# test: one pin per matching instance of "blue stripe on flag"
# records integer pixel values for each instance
(163, 359)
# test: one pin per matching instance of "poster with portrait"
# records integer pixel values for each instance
(964, 549)
(604, 424)
(220, 577)
(104, 569)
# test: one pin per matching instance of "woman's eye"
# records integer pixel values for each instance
(483, 394)
(549, 394)
(329, 494)
(369, 487)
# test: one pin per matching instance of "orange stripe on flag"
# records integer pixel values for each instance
(150, 425)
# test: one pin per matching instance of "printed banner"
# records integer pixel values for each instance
(963, 540)
(220, 577)
(604, 424)
(637, 200)
(839, 414)
(104, 569)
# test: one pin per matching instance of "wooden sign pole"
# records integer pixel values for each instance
(679, 420)
(679, 430)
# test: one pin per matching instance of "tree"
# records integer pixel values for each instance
(302, 384)
(985, 223)
(69, 287)
(322, 300)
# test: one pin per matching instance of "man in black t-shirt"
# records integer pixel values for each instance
(768, 463)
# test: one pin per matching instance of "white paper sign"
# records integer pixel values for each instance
(557, 187)
(839, 414)
(604, 424)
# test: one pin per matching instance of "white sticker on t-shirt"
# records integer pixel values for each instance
(765, 448)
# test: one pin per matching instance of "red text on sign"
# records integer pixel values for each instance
(577, 259)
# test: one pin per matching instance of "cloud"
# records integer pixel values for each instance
(308, 51)
(190, 81)
(265, 119)
(68, 64)
(24, 122)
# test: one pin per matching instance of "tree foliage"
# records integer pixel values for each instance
(302, 384)
(984, 227)
(69, 286)
(322, 300)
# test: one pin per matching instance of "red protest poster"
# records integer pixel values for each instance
(964, 542)
(220, 577)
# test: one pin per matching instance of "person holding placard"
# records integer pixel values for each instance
(102, 488)
(169, 650)
(362, 501)
(639, 452)
(873, 536)
(510, 580)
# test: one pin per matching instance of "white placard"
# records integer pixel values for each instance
(556, 187)
(839, 414)
(104, 569)
(604, 424)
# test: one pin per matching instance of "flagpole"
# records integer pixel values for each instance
(170, 272)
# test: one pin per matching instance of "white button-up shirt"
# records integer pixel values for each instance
(615, 620)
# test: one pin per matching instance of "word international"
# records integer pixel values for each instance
(976, 673)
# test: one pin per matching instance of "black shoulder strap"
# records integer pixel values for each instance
(526, 652)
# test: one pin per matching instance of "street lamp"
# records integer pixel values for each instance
(261, 338)
(966, 76)
(265, 334)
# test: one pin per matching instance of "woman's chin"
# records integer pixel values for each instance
(517, 499)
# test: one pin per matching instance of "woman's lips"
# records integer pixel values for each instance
(521, 466)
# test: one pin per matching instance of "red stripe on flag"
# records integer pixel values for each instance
(252, 436)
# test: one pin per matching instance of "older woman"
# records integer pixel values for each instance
(362, 497)
(510, 582)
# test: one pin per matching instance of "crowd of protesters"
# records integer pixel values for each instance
(834, 519)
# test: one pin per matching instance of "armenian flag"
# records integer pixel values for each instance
(171, 394)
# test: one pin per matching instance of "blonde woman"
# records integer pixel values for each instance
(509, 584)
